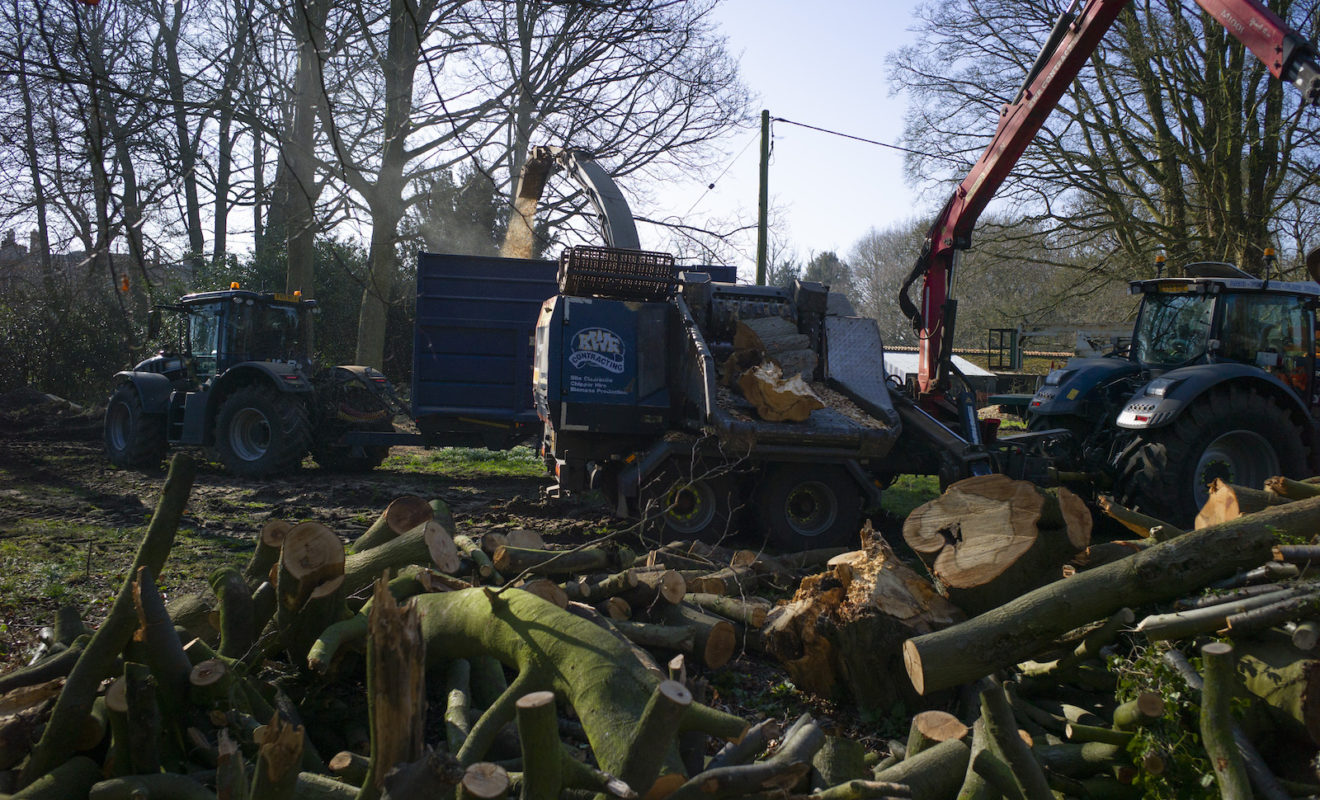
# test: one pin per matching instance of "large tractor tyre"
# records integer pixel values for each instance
(133, 438)
(806, 506)
(260, 431)
(352, 459)
(1233, 434)
(690, 501)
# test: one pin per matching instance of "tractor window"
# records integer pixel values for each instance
(204, 339)
(277, 334)
(1172, 328)
(1273, 332)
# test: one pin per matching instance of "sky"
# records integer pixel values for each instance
(822, 64)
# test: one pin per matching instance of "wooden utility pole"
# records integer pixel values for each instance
(763, 202)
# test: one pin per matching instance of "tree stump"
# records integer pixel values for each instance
(990, 539)
(842, 634)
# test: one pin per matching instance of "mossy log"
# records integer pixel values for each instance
(839, 760)
(758, 738)
(310, 587)
(715, 639)
(556, 651)
(1001, 727)
(656, 733)
(1217, 721)
(53, 666)
(1025, 627)
(400, 516)
(234, 601)
(73, 777)
(934, 774)
(97, 660)
(929, 728)
(163, 651)
(538, 735)
(427, 544)
(988, 539)
(142, 787)
(469, 548)
(1291, 489)
(773, 777)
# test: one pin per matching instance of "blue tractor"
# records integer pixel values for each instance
(1220, 382)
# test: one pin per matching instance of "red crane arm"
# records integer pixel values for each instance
(1075, 37)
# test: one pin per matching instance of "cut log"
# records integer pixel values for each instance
(1027, 626)
(396, 687)
(538, 734)
(989, 539)
(1227, 502)
(933, 773)
(430, 544)
(400, 516)
(1293, 490)
(512, 560)
(266, 553)
(778, 399)
(750, 611)
(715, 639)
(1217, 720)
(842, 634)
(1135, 521)
(929, 728)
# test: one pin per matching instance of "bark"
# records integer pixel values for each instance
(749, 747)
(1146, 709)
(266, 553)
(743, 780)
(428, 544)
(538, 733)
(458, 703)
(989, 539)
(840, 760)
(72, 778)
(234, 599)
(555, 651)
(279, 752)
(974, 787)
(1291, 489)
(751, 611)
(644, 766)
(175, 787)
(714, 639)
(1027, 625)
(1249, 621)
(96, 661)
(1217, 721)
(1180, 624)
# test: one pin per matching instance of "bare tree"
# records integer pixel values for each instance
(1175, 138)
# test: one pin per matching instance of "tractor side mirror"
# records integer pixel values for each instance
(1313, 264)
(153, 323)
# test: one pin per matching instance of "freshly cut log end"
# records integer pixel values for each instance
(274, 531)
(912, 661)
(444, 553)
(485, 781)
(988, 539)
(1227, 502)
(312, 554)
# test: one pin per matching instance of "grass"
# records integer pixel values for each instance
(907, 492)
(520, 462)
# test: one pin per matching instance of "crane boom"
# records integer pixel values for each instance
(1076, 35)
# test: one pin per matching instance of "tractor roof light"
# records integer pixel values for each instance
(233, 284)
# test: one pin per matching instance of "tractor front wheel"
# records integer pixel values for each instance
(133, 438)
(260, 431)
(1233, 434)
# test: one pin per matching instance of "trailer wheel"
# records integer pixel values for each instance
(1233, 434)
(133, 438)
(690, 501)
(804, 506)
(260, 431)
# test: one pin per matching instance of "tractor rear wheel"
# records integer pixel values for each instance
(804, 506)
(133, 438)
(1233, 434)
(260, 431)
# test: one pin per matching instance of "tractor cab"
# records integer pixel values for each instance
(1228, 319)
(227, 328)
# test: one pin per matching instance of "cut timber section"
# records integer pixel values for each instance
(1227, 502)
(778, 339)
(989, 539)
(778, 399)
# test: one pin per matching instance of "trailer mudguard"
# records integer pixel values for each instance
(1161, 401)
(1084, 376)
(152, 388)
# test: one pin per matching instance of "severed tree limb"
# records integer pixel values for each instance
(862, 790)
(643, 657)
(974, 786)
(1135, 521)
(1181, 624)
(400, 516)
(1002, 728)
(538, 734)
(133, 787)
(1217, 720)
(497, 715)
(483, 781)
(73, 778)
(396, 688)
(937, 772)
(266, 552)
(758, 738)
(656, 733)
(279, 753)
(49, 668)
(234, 599)
(458, 703)
(75, 702)
(929, 728)
(1291, 489)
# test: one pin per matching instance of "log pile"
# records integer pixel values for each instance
(1227, 592)
(772, 365)
(242, 702)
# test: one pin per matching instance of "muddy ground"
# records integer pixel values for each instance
(70, 523)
